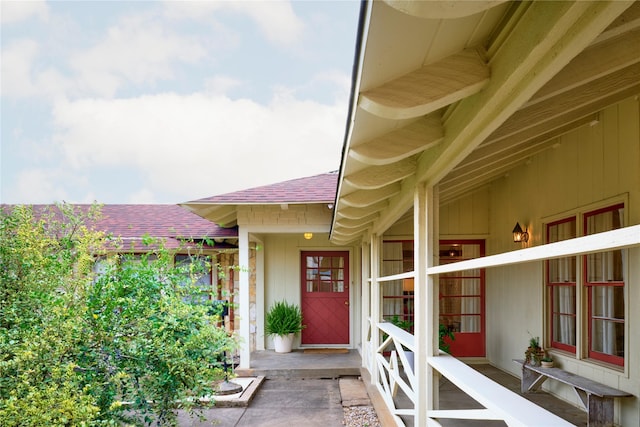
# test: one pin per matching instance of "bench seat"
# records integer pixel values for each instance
(597, 399)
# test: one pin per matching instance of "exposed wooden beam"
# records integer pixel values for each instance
(629, 20)
(363, 198)
(345, 222)
(545, 40)
(596, 61)
(358, 213)
(488, 156)
(220, 214)
(343, 240)
(225, 219)
(429, 88)
(450, 9)
(573, 103)
(400, 143)
(375, 177)
(351, 231)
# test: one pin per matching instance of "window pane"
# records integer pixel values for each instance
(608, 301)
(562, 270)
(561, 281)
(605, 267)
(563, 314)
(197, 267)
(564, 329)
(608, 337)
(605, 281)
(338, 287)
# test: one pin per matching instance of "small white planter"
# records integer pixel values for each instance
(283, 343)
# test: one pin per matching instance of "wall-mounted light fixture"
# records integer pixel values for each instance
(308, 235)
(519, 235)
(407, 284)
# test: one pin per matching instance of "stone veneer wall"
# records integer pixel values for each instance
(229, 261)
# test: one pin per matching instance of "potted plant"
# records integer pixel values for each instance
(445, 332)
(534, 354)
(283, 322)
(407, 325)
(546, 361)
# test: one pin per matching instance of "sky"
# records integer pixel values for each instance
(168, 102)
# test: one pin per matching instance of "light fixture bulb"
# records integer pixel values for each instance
(519, 235)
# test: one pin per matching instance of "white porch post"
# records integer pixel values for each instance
(244, 298)
(259, 305)
(425, 300)
(365, 304)
(375, 304)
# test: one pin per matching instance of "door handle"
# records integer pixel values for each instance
(346, 303)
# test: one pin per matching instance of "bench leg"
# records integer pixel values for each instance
(600, 411)
(531, 380)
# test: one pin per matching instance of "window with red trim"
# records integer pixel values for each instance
(561, 289)
(604, 283)
(397, 295)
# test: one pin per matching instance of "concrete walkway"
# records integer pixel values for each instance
(302, 389)
(281, 402)
(299, 389)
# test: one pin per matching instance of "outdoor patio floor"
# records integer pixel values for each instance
(301, 365)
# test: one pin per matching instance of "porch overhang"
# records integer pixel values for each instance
(456, 94)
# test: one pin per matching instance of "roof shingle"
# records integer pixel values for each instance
(314, 189)
(172, 223)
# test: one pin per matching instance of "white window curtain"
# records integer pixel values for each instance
(607, 302)
(392, 264)
(566, 305)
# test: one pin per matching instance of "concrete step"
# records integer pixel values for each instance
(299, 373)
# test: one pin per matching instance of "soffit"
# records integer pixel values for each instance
(458, 97)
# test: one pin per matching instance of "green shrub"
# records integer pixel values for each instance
(283, 319)
(74, 346)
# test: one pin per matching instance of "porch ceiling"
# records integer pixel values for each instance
(458, 93)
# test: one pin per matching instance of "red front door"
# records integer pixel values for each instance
(462, 299)
(325, 297)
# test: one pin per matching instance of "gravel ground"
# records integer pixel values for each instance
(360, 416)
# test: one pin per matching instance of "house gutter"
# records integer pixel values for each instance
(363, 27)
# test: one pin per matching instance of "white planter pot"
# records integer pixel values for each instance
(283, 343)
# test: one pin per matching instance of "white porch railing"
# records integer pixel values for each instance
(395, 371)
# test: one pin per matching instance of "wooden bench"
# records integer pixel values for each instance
(597, 399)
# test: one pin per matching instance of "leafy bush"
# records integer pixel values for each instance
(81, 349)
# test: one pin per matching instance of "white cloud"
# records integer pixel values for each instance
(12, 12)
(221, 85)
(142, 196)
(276, 19)
(138, 50)
(197, 146)
(21, 78)
(17, 59)
(42, 185)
